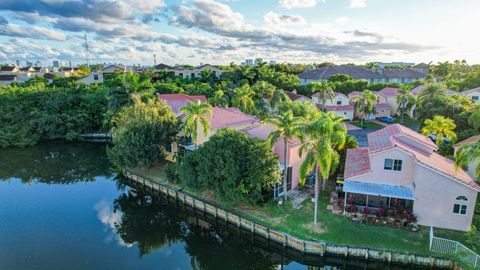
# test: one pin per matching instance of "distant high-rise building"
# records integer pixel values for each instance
(17, 62)
(29, 64)
(249, 62)
(56, 64)
(38, 64)
(70, 63)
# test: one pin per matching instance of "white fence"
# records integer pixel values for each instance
(447, 246)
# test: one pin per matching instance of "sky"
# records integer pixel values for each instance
(224, 31)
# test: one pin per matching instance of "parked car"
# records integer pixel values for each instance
(386, 119)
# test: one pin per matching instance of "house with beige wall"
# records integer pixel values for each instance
(103, 74)
(473, 94)
(381, 108)
(339, 104)
(401, 165)
(194, 72)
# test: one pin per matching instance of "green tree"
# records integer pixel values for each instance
(243, 98)
(196, 115)
(321, 139)
(364, 103)
(287, 127)
(262, 89)
(219, 99)
(237, 167)
(432, 91)
(405, 100)
(277, 98)
(467, 154)
(325, 92)
(141, 133)
(441, 127)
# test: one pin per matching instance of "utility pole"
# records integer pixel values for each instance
(86, 50)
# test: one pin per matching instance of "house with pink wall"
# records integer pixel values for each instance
(339, 104)
(402, 166)
(294, 160)
(382, 108)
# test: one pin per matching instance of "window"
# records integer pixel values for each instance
(192, 75)
(95, 77)
(475, 98)
(460, 206)
(393, 165)
(339, 102)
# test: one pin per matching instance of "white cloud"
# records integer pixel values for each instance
(36, 32)
(297, 3)
(342, 20)
(358, 3)
(274, 19)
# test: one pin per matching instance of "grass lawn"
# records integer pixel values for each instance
(366, 124)
(407, 121)
(330, 227)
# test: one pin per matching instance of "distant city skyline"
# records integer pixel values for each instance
(224, 31)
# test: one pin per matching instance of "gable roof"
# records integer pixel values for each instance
(358, 160)
(382, 106)
(162, 66)
(6, 78)
(389, 91)
(402, 73)
(294, 96)
(178, 101)
(8, 68)
(335, 94)
(323, 73)
(228, 117)
(417, 90)
(469, 91)
(390, 137)
(470, 140)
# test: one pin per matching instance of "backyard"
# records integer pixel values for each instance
(330, 228)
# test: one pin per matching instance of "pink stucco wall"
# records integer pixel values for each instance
(293, 156)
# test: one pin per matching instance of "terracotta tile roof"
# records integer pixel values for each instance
(333, 108)
(470, 140)
(357, 162)
(417, 90)
(228, 117)
(382, 106)
(392, 135)
(294, 96)
(259, 130)
(355, 93)
(335, 94)
(389, 91)
(177, 101)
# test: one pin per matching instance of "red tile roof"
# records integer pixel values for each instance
(333, 108)
(294, 96)
(262, 130)
(417, 90)
(382, 139)
(382, 106)
(177, 101)
(470, 140)
(389, 91)
(229, 117)
(357, 162)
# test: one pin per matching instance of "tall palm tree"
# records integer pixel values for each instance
(325, 92)
(474, 118)
(364, 103)
(321, 139)
(243, 98)
(467, 154)
(277, 97)
(287, 127)
(405, 100)
(441, 127)
(196, 115)
(431, 91)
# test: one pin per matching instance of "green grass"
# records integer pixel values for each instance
(407, 121)
(366, 124)
(330, 227)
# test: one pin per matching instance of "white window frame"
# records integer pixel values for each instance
(393, 165)
(461, 201)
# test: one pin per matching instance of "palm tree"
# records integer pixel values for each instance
(287, 127)
(277, 97)
(431, 91)
(243, 98)
(196, 114)
(219, 99)
(474, 118)
(321, 138)
(441, 127)
(263, 88)
(325, 92)
(405, 100)
(467, 154)
(364, 103)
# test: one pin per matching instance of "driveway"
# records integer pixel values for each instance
(361, 135)
(351, 127)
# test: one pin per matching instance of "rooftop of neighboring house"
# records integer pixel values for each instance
(37, 69)
(262, 130)
(162, 66)
(417, 90)
(382, 106)
(389, 91)
(8, 68)
(336, 94)
(25, 69)
(177, 101)
(333, 108)
(294, 96)
(229, 117)
(402, 73)
(48, 76)
(6, 78)
(358, 72)
(470, 140)
(421, 65)
(415, 144)
(469, 91)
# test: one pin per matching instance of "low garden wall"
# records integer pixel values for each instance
(287, 240)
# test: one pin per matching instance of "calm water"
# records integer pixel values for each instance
(62, 207)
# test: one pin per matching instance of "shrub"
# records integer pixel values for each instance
(171, 172)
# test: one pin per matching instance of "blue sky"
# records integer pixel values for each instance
(222, 31)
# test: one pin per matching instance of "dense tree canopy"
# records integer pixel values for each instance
(238, 168)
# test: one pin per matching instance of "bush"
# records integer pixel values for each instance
(171, 172)
(238, 168)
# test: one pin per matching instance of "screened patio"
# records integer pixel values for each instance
(375, 196)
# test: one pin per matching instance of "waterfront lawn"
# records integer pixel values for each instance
(366, 124)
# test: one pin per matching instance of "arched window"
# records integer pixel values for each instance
(460, 206)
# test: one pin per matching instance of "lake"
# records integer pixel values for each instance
(62, 206)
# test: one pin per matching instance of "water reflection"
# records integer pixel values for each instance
(55, 162)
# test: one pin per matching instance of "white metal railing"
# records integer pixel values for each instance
(447, 246)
